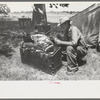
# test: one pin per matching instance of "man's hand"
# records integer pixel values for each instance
(57, 41)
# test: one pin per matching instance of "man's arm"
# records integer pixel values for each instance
(63, 42)
(66, 43)
(75, 35)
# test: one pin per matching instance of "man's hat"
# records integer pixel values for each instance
(63, 20)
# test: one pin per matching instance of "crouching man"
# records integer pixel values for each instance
(75, 45)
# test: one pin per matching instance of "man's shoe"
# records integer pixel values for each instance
(81, 62)
(71, 72)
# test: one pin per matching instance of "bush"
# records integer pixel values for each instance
(8, 41)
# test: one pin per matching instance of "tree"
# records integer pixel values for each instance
(4, 9)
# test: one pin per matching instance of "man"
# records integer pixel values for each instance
(75, 45)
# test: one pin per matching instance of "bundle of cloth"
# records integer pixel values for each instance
(40, 42)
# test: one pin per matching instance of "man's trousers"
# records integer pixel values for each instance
(73, 55)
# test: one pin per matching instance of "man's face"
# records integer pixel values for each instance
(65, 26)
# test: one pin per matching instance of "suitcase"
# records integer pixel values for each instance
(47, 62)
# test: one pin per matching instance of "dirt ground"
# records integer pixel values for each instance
(11, 68)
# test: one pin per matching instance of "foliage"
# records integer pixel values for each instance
(4, 9)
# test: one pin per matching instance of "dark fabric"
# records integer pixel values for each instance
(27, 39)
(73, 54)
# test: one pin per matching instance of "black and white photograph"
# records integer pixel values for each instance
(49, 41)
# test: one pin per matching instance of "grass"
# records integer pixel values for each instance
(13, 69)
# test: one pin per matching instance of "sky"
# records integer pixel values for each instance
(27, 6)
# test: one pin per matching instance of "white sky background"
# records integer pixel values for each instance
(27, 6)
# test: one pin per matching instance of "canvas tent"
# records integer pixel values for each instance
(88, 21)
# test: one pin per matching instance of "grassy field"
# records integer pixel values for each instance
(51, 17)
(11, 68)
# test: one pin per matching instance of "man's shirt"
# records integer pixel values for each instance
(75, 36)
